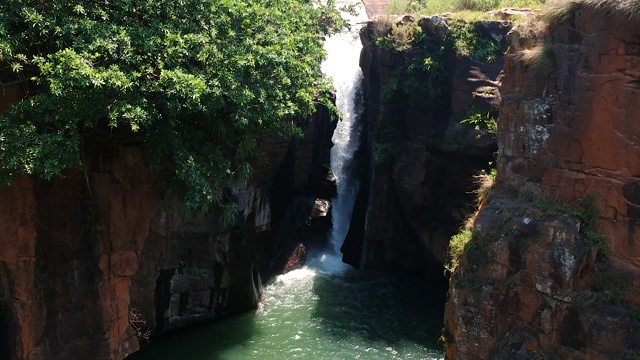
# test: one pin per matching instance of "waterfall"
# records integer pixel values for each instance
(342, 65)
(322, 311)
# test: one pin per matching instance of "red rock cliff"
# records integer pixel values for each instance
(532, 286)
(69, 247)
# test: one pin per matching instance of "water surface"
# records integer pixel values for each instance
(315, 313)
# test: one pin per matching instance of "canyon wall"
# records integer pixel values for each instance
(537, 280)
(417, 187)
(69, 248)
(99, 256)
(193, 270)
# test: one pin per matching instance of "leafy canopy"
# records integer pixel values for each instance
(200, 81)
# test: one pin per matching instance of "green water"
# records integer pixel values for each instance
(315, 314)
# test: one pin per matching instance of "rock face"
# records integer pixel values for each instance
(421, 158)
(69, 248)
(97, 256)
(575, 129)
(532, 285)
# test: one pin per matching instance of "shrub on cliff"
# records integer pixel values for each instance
(200, 81)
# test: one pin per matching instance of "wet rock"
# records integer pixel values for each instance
(297, 259)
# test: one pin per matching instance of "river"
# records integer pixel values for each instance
(312, 313)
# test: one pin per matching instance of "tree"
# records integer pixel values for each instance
(200, 81)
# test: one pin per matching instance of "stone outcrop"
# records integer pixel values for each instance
(525, 290)
(84, 255)
(532, 286)
(421, 158)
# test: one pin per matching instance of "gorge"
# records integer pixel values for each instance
(96, 260)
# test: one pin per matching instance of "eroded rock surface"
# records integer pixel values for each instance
(575, 129)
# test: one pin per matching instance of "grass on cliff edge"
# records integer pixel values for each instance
(560, 11)
(464, 7)
(464, 240)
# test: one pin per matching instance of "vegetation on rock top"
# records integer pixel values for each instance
(200, 82)
(466, 8)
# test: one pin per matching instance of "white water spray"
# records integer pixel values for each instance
(342, 65)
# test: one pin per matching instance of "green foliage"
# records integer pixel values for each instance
(483, 121)
(199, 81)
(229, 214)
(589, 214)
(426, 72)
(476, 5)
(430, 7)
(396, 36)
(485, 181)
(549, 205)
(424, 76)
(588, 211)
(400, 7)
(459, 244)
(598, 239)
(470, 42)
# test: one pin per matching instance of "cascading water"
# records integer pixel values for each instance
(343, 67)
(323, 311)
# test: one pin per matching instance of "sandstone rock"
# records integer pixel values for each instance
(572, 129)
(69, 271)
(523, 291)
(193, 270)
